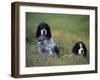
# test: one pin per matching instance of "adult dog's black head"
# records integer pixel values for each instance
(43, 30)
(79, 48)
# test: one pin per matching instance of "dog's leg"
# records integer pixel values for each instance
(57, 51)
(51, 53)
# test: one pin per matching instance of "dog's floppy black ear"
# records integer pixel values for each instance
(75, 48)
(38, 32)
(48, 31)
(85, 51)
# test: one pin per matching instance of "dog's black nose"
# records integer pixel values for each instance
(43, 32)
(82, 51)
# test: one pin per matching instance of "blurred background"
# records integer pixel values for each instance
(66, 30)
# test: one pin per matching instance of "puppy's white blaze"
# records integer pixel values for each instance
(80, 45)
(43, 30)
(81, 49)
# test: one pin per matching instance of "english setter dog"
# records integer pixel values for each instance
(45, 43)
(79, 49)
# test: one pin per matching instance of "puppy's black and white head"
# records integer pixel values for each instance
(79, 48)
(43, 30)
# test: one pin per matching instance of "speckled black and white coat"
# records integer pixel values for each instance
(45, 43)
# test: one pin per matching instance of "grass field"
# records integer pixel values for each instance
(66, 31)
